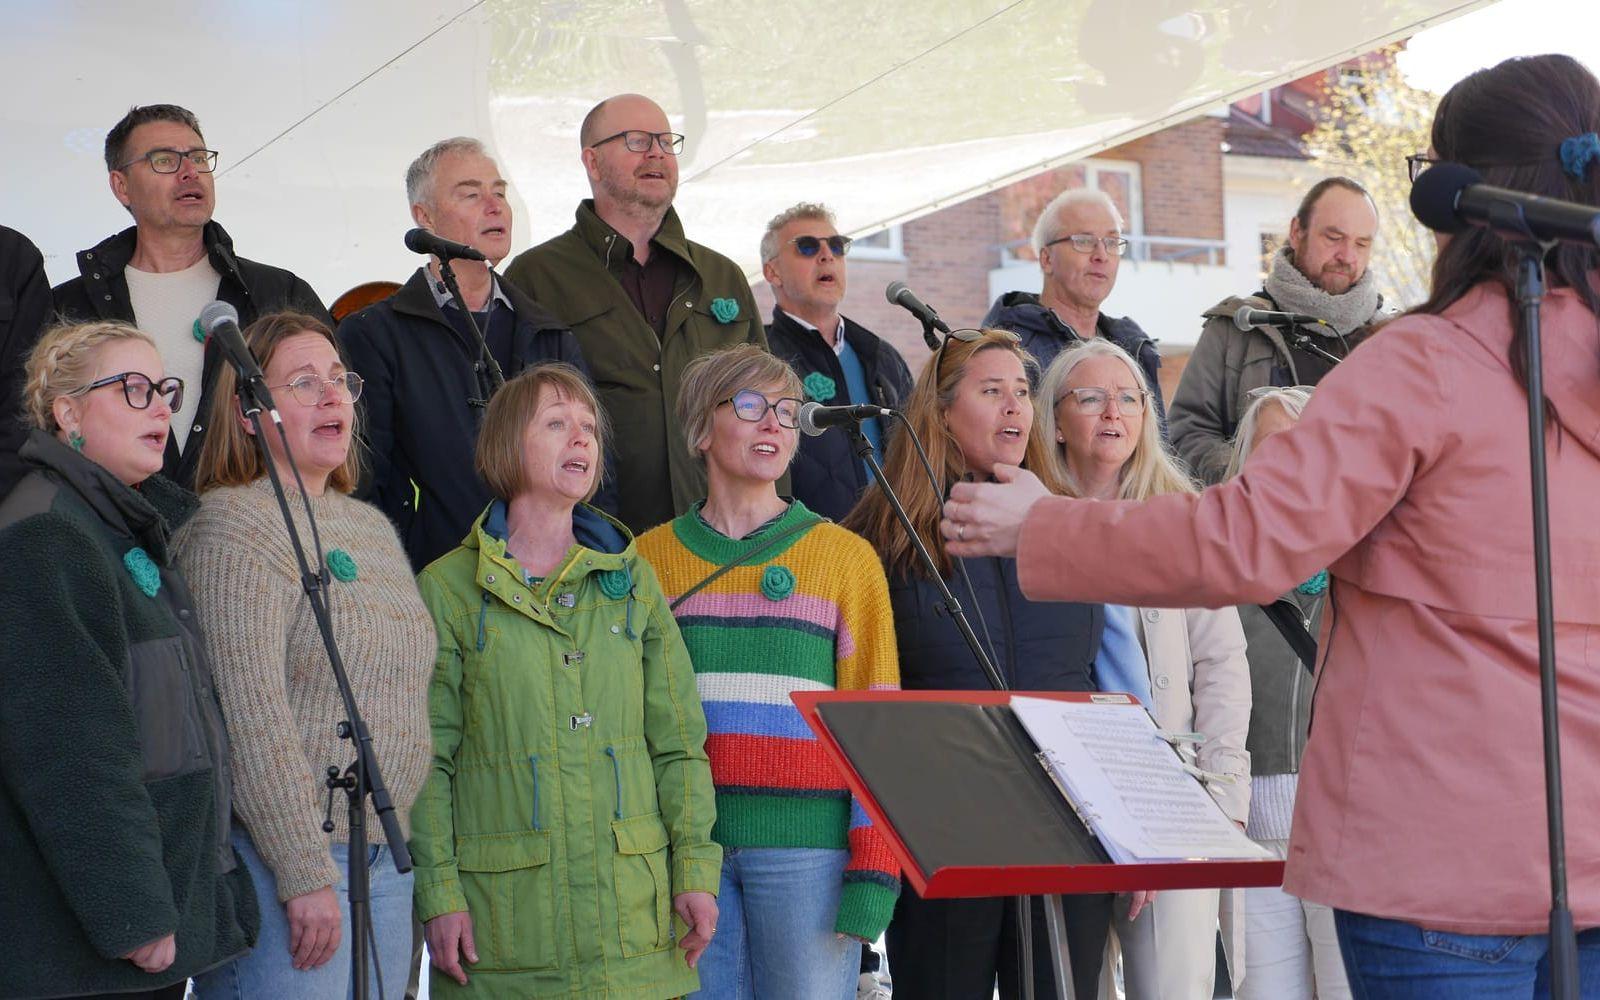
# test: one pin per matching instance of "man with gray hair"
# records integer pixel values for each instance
(1078, 240)
(839, 361)
(426, 384)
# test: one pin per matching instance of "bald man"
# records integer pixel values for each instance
(642, 299)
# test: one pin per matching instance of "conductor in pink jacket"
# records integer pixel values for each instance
(1421, 809)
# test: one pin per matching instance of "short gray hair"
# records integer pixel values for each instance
(419, 176)
(1044, 230)
(803, 210)
(1292, 400)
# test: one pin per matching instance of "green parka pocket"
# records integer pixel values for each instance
(644, 891)
(510, 892)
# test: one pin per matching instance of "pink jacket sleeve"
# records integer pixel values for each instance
(1305, 499)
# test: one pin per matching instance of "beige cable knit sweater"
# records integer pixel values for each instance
(277, 690)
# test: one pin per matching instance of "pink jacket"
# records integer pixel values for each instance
(1422, 792)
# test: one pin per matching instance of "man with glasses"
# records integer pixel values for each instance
(1321, 272)
(159, 273)
(839, 361)
(426, 390)
(1079, 242)
(642, 299)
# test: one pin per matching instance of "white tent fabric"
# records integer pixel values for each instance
(883, 109)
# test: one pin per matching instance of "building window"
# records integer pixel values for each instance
(885, 244)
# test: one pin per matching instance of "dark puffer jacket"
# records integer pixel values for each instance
(1044, 336)
(100, 291)
(1036, 646)
(827, 476)
(114, 786)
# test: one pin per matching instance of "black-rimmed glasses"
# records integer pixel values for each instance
(168, 161)
(138, 390)
(1416, 163)
(751, 406)
(638, 141)
(1116, 246)
(309, 389)
(810, 246)
(1092, 400)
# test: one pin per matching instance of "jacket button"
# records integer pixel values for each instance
(196, 428)
(656, 367)
(1152, 616)
(97, 276)
(183, 613)
(1162, 682)
(688, 305)
(106, 297)
(489, 578)
(516, 598)
(616, 629)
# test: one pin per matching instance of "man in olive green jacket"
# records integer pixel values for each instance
(570, 803)
(642, 299)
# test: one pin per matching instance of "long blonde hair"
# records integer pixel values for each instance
(925, 410)
(1150, 471)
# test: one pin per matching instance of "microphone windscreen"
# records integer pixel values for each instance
(419, 241)
(892, 293)
(216, 312)
(1434, 194)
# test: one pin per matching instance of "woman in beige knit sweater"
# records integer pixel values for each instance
(273, 678)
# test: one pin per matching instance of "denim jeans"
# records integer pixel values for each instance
(1395, 960)
(267, 972)
(775, 937)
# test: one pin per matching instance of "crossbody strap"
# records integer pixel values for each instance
(745, 557)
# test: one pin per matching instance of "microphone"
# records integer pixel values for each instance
(1449, 197)
(899, 295)
(422, 241)
(1247, 318)
(220, 321)
(816, 418)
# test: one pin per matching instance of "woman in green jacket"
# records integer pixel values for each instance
(569, 809)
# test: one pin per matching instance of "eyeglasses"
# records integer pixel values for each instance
(752, 406)
(1416, 163)
(810, 246)
(638, 141)
(168, 161)
(309, 389)
(968, 335)
(1116, 246)
(138, 390)
(1092, 401)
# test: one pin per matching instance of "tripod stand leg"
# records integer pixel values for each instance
(1055, 933)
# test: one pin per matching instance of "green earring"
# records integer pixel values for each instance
(75, 440)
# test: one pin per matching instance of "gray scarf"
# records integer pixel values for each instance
(1294, 292)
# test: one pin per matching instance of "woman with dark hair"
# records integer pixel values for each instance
(973, 410)
(1420, 815)
(277, 689)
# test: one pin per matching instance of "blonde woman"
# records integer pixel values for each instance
(1187, 663)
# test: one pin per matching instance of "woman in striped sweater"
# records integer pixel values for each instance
(805, 875)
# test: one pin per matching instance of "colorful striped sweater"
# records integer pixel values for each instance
(811, 614)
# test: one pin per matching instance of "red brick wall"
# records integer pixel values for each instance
(1181, 179)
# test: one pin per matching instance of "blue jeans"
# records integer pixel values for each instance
(775, 936)
(267, 972)
(1395, 960)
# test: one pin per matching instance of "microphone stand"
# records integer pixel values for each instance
(362, 779)
(1053, 914)
(486, 361)
(1305, 342)
(1507, 220)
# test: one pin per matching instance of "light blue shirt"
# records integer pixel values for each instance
(1121, 665)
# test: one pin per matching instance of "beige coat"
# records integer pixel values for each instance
(1199, 682)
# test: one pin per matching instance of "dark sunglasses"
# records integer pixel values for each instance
(968, 335)
(138, 390)
(810, 246)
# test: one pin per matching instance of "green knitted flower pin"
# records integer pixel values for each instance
(820, 387)
(199, 333)
(725, 310)
(1315, 585)
(615, 583)
(776, 583)
(341, 565)
(146, 574)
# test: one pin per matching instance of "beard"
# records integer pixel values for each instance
(623, 187)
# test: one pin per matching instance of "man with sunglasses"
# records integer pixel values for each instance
(1078, 240)
(642, 299)
(839, 361)
(159, 273)
(1322, 271)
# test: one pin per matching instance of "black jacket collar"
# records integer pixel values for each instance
(147, 514)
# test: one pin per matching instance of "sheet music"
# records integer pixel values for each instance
(1128, 784)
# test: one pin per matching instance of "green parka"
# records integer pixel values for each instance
(570, 797)
(576, 276)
